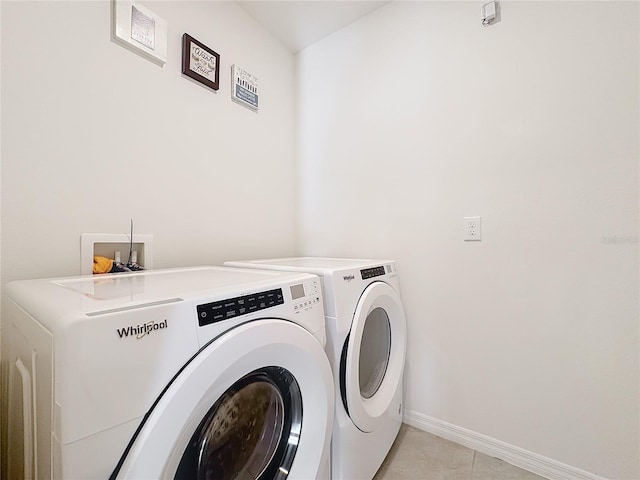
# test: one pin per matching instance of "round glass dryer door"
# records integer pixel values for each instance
(375, 349)
(246, 433)
(373, 356)
(255, 403)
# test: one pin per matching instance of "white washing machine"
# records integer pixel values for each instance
(197, 373)
(366, 345)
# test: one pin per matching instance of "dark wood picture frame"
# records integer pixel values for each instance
(202, 56)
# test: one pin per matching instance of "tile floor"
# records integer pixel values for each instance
(417, 455)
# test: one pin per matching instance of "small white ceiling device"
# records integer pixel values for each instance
(490, 13)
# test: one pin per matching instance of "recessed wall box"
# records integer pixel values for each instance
(106, 244)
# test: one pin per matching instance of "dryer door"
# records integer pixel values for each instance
(255, 403)
(373, 356)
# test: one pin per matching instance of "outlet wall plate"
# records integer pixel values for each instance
(472, 229)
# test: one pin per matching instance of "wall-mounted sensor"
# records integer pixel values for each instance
(490, 13)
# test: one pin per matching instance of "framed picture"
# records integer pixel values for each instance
(140, 30)
(200, 62)
(244, 87)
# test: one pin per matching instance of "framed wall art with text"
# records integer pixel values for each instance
(200, 62)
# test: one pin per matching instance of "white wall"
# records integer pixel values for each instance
(529, 337)
(415, 117)
(93, 135)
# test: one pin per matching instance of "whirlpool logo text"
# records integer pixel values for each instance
(143, 330)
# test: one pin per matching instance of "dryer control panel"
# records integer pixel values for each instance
(305, 295)
(213, 312)
(372, 272)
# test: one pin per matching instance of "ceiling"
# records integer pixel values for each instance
(300, 23)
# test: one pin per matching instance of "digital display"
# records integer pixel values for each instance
(297, 291)
(372, 272)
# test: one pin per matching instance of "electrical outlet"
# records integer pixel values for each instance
(472, 228)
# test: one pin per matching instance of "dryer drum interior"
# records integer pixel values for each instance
(374, 352)
(250, 432)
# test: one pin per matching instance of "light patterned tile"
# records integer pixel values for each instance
(420, 455)
(489, 468)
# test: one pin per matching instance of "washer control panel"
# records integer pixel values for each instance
(305, 296)
(213, 312)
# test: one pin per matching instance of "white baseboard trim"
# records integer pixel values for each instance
(532, 462)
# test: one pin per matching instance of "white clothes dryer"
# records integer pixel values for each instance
(366, 345)
(196, 373)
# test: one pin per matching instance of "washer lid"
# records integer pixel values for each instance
(156, 283)
(54, 302)
(373, 360)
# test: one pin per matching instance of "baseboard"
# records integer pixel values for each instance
(532, 462)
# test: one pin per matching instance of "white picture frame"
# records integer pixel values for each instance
(138, 29)
(244, 87)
